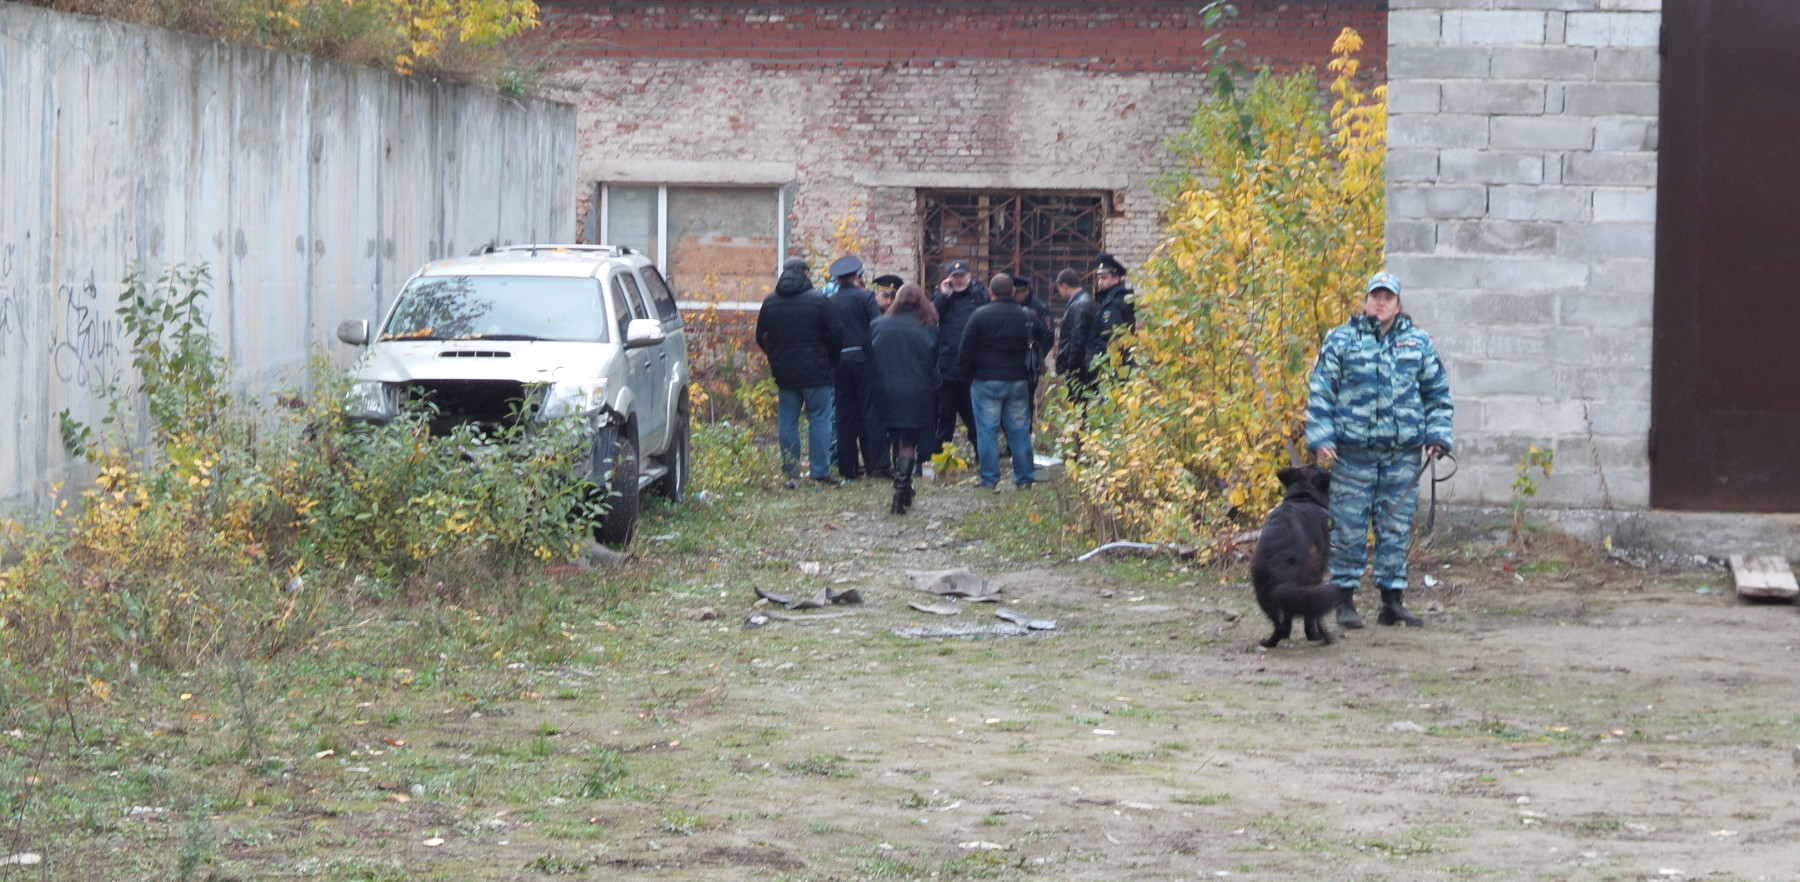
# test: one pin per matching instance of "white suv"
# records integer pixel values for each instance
(551, 330)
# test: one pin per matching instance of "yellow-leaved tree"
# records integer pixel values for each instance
(1275, 217)
(430, 26)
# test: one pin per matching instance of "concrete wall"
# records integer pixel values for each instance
(311, 190)
(858, 106)
(1521, 221)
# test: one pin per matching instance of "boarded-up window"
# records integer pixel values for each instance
(714, 244)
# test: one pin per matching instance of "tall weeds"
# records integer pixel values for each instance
(223, 525)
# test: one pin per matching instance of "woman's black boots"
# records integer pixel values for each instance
(1392, 613)
(903, 488)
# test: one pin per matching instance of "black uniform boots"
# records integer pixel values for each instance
(1392, 613)
(1347, 617)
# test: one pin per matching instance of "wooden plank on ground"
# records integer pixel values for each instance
(1764, 576)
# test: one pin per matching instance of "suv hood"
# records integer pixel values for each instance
(522, 361)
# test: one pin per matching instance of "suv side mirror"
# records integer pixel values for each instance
(354, 332)
(644, 332)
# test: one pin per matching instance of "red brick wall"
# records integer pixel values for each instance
(857, 107)
(1098, 35)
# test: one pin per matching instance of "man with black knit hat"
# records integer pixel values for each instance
(861, 441)
(798, 332)
(958, 296)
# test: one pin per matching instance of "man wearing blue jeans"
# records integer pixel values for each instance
(799, 333)
(1001, 347)
(817, 402)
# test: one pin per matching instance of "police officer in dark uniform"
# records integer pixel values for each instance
(1113, 307)
(885, 289)
(861, 441)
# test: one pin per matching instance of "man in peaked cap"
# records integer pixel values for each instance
(1378, 396)
(1114, 310)
(861, 442)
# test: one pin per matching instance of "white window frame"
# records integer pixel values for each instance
(783, 199)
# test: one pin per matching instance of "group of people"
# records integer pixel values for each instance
(887, 373)
(883, 375)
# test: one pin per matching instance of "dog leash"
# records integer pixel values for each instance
(1430, 464)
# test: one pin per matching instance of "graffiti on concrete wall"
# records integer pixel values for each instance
(83, 344)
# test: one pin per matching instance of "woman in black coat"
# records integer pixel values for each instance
(903, 359)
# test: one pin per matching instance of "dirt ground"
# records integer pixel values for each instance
(1561, 716)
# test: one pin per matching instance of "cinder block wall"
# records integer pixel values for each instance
(1521, 221)
(860, 105)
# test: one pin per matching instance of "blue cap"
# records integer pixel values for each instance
(846, 266)
(1381, 280)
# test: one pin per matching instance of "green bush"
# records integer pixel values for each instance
(245, 525)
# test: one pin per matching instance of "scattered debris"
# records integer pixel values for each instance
(809, 567)
(1019, 618)
(1005, 629)
(1116, 550)
(951, 583)
(772, 597)
(849, 596)
(986, 846)
(814, 617)
(22, 859)
(599, 557)
(756, 620)
(936, 609)
(1763, 577)
(817, 601)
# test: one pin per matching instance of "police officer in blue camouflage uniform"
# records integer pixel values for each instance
(1377, 395)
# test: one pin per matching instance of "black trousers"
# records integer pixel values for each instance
(862, 443)
(952, 402)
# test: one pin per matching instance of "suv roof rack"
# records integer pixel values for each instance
(615, 250)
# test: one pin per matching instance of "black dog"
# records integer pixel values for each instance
(1288, 569)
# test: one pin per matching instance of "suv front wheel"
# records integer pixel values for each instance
(617, 481)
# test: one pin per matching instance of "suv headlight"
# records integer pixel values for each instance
(372, 400)
(572, 399)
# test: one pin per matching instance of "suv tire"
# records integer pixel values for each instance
(674, 484)
(619, 491)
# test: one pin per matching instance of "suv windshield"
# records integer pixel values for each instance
(499, 308)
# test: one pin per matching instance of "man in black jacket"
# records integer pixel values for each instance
(1001, 346)
(796, 329)
(861, 442)
(1114, 310)
(1072, 356)
(958, 296)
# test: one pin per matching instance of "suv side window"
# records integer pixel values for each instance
(666, 309)
(628, 288)
(621, 312)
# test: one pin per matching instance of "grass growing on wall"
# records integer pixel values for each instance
(462, 40)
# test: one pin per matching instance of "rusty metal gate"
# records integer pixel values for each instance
(1037, 234)
(1725, 380)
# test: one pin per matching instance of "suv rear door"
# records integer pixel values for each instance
(646, 368)
(674, 348)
